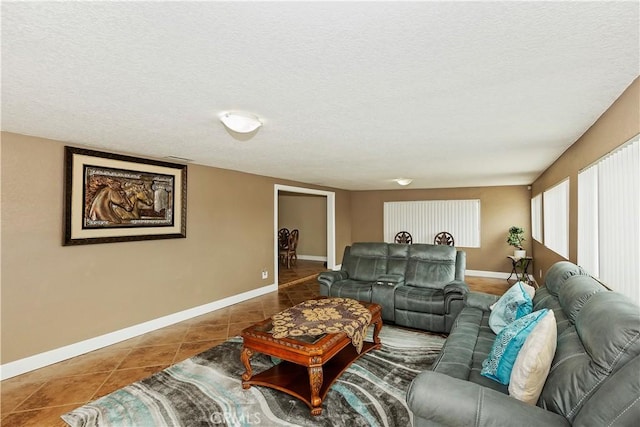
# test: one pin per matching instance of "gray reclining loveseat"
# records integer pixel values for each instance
(594, 378)
(419, 286)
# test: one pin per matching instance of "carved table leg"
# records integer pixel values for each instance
(377, 328)
(315, 380)
(245, 356)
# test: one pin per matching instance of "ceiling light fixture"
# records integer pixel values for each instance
(404, 181)
(240, 122)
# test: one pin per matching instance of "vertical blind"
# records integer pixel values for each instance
(588, 242)
(609, 219)
(556, 218)
(424, 219)
(536, 217)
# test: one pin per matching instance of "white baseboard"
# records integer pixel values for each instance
(40, 360)
(492, 274)
(313, 257)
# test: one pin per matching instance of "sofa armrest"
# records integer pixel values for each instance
(456, 287)
(438, 399)
(391, 279)
(480, 300)
(328, 278)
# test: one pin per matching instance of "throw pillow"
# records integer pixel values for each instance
(514, 304)
(532, 365)
(499, 362)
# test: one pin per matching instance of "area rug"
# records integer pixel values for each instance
(206, 390)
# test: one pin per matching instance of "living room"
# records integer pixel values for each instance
(59, 301)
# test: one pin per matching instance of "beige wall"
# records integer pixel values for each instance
(617, 125)
(54, 295)
(307, 213)
(500, 208)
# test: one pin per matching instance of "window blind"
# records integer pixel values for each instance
(609, 219)
(536, 218)
(588, 243)
(424, 219)
(556, 218)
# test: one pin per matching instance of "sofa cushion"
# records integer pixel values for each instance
(422, 300)
(499, 363)
(431, 266)
(514, 304)
(466, 348)
(397, 260)
(544, 299)
(576, 292)
(606, 335)
(559, 273)
(609, 327)
(616, 402)
(367, 261)
(532, 365)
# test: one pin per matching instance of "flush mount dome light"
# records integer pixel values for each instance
(404, 181)
(240, 122)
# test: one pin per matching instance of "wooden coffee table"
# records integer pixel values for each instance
(321, 359)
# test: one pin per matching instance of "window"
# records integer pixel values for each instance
(536, 218)
(424, 219)
(609, 219)
(556, 218)
(588, 242)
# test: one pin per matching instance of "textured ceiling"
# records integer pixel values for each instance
(351, 94)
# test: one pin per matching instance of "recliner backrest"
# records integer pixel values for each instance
(431, 266)
(605, 336)
(398, 258)
(559, 272)
(366, 261)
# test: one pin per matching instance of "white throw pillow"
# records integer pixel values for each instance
(532, 365)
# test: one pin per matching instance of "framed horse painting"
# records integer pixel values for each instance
(116, 198)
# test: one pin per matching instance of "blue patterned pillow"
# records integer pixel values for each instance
(514, 304)
(499, 363)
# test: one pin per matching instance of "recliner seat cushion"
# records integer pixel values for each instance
(421, 300)
(467, 347)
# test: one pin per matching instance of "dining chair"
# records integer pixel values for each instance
(288, 256)
(403, 237)
(444, 238)
(283, 238)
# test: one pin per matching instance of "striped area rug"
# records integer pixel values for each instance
(206, 390)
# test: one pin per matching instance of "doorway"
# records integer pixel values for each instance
(330, 196)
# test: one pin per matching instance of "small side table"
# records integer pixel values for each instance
(520, 267)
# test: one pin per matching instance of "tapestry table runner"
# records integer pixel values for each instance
(324, 316)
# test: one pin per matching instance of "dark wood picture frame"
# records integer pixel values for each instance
(117, 198)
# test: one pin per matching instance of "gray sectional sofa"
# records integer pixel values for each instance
(594, 378)
(418, 286)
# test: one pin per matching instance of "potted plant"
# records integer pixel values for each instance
(515, 239)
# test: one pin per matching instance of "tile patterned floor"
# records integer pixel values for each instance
(38, 398)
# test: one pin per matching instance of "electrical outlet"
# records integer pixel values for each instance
(265, 274)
